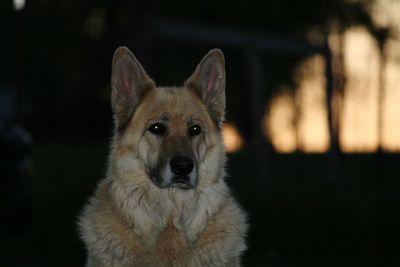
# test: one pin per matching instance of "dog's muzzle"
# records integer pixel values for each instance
(180, 171)
(182, 168)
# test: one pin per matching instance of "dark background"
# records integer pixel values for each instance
(328, 209)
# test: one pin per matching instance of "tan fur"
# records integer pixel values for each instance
(132, 222)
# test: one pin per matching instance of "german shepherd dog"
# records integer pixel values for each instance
(164, 201)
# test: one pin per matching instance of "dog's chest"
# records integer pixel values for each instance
(171, 243)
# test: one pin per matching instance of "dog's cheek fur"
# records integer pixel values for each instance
(212, 159)
(148, 151)
(125, 161)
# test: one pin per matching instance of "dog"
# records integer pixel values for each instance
(164, 201)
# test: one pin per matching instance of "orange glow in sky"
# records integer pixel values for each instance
(359, 121)
(391, 123)
(232, 138)
(279, 122)
(313, 126)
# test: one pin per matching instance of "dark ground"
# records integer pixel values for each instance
(297, 217)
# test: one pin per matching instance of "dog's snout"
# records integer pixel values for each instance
(181, 165)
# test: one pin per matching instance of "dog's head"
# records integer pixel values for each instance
(170, 135)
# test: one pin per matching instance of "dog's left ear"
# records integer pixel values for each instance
(208, 80)
(129, 83)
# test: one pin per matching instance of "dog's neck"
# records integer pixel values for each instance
(149, 209)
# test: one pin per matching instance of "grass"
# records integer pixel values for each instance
(64, 176)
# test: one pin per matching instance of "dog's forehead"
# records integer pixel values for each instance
(169, 101)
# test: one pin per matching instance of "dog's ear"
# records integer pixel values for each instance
(129, 83)
(208, 80)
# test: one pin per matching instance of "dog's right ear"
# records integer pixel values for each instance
(208, 80)
(129, 83)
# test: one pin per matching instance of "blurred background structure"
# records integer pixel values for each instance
(312, 131)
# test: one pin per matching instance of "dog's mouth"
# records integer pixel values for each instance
(181, 182)
(185, 182)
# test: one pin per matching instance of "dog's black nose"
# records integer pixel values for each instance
(181, 165)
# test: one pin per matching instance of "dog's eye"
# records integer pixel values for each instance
(194, 130)
(158, 129)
